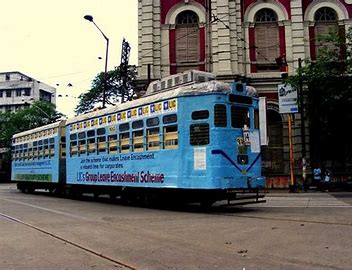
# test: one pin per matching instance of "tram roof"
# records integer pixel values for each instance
(193, 89)
(31, 131)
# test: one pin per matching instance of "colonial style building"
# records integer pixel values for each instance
(253, 39)
(18, 91)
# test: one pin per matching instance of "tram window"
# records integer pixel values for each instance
(153, 138)
(124, 142)
(124, 127)
(25, 154)
(91, 145)
(82, 146)
(197, 115)
(100, 131)
(52, 150)
(74, 149)
(199, 134)
(91, 133)
(151, 122)
(51, 140)
(73, 137)
(101, 144)
(112, 141)
(137, 141)
(46, 150)
(137, 124)
(256, 119)
(171, 118)
(40, 152)
(240, 99)
(35, 152)
(81, 135)
(239, 117)
(220, 117)
(170, 137)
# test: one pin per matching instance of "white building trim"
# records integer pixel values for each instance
(277, 7)
(340, 9)
(178, 8)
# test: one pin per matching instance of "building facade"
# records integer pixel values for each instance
(18, 91)
(253, 39)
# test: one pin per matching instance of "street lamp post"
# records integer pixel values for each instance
(90, 18)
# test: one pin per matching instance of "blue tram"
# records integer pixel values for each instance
(189, 138)
(38, 157)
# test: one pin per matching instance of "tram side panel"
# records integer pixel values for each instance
(36, 164)
(93, 161)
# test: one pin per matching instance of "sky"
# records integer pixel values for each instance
(50, 41)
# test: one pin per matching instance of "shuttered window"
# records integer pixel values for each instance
(266, 39)
(325, 22)
(187, 40)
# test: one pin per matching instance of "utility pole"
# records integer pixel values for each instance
(125, 55)
(90, 18)
(303, 133)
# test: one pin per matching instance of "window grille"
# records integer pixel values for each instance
(171, 118)
(239, 117)
(197, 115)
(220, 116)
(199, 134)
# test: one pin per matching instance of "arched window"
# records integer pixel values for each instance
(266, 39)
(187, 40)
(325, 20)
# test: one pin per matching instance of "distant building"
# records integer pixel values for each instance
(18, 91)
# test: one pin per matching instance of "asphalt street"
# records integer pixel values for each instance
(291, 231)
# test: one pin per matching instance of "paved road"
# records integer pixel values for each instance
(290, 231)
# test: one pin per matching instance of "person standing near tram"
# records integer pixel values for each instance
(317, 176)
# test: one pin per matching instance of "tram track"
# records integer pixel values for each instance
(285, 219)
(66, 241)
(214, 211)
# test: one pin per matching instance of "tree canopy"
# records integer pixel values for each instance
(327, 93)
(39, 114)
(118, 89)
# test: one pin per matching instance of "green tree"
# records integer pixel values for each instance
(116, 89)
(328, 101)
(39, 114)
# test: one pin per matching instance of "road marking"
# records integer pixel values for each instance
(305, 201)
(46, 209)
